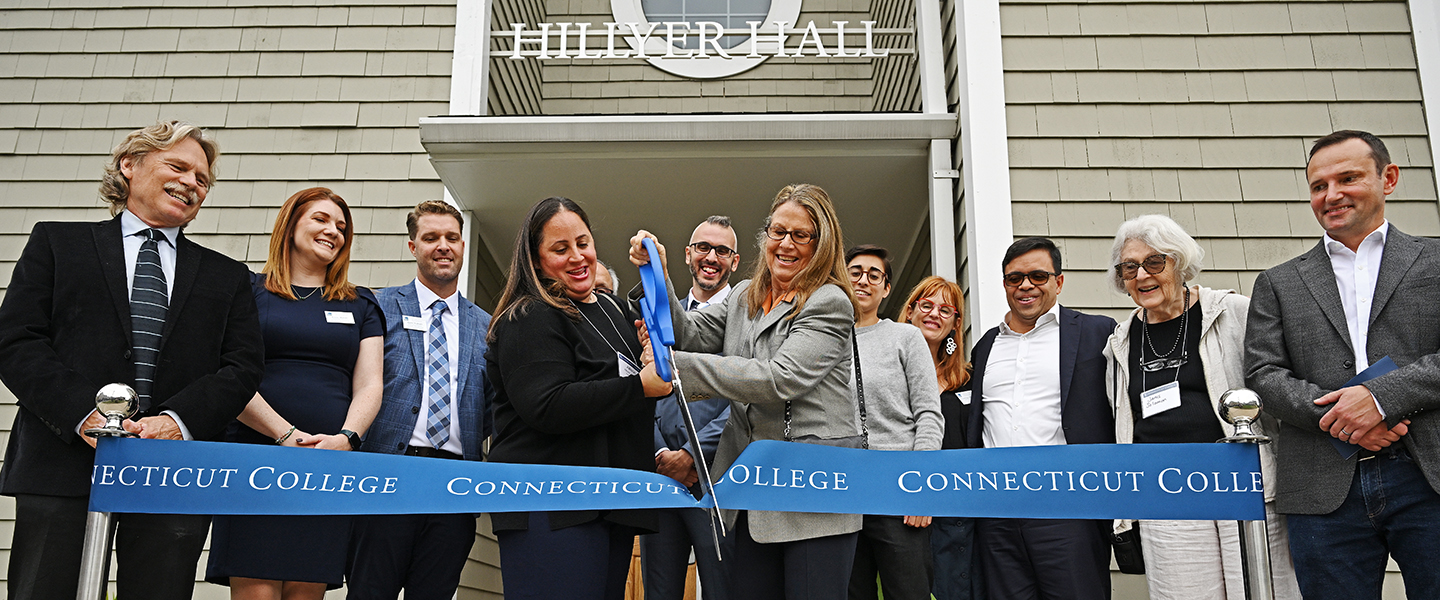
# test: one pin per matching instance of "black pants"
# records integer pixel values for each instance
(589, 561)
(423, 554)
(155, 554)
(1044, 559)
(898, 553)
(665, 556)
(813, 569)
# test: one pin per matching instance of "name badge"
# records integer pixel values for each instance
(964, 397)
(340, 316)
(413, 323)
(1160, 399)
(628, 368)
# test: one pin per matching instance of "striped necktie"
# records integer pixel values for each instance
(149, 303)
(437, 379)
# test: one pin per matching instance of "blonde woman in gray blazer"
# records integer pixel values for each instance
(779, 347)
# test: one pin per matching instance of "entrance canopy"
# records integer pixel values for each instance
(666, 174)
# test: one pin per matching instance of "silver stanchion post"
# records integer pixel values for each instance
(1241, 407)
(116, 402)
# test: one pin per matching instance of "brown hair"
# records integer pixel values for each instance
(431, 207)
(163, 135)
(953, 370)
(826, 266)
(525, 284)
(277, 264)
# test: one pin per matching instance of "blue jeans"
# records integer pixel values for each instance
(1391, 510)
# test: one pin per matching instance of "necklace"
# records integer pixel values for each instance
(1163, 361)
(306, 296)
(614, 327)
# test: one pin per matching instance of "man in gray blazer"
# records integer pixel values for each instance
(1367, 291)
(436, 405)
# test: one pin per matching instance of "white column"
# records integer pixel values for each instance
(470, 66)
(942, 210)
(985, 156)
(1425, 27)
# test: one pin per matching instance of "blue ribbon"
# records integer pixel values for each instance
(1149, 481)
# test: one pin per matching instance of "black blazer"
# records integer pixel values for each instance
(1085, 413)
(65, 333)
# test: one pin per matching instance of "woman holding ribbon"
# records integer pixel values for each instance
(897, 384)
(1173, 397)
(572, 388)
(322, 388)
(936, 307)
(786, 338)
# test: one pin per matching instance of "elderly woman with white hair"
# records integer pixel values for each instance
(1188, 348)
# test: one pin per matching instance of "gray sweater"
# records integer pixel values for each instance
(902, 396)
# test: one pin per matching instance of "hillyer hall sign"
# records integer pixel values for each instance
(698, 49)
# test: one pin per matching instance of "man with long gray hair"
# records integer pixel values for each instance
(128, 300)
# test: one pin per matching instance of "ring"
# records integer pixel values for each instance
(1344, 433)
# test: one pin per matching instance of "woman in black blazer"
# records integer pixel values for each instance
(572, 388)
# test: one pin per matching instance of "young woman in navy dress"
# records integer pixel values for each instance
(322, 388)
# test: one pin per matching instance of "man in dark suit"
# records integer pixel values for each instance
(1040, 380)
(664, 555)
(129, 300)
(1367, 291)
(436, 404)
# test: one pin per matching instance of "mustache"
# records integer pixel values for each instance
(183, 191)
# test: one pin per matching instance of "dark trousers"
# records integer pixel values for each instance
(898, 553)
(1391, 511)
(155, 554)
(957, 564)
(589, 561)
(423, 554)
(665, 556)
(1044, 559)
(813, 569)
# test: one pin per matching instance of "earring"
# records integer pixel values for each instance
(950, 345)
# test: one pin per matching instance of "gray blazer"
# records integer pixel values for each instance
(1298, 349)
(769, 359)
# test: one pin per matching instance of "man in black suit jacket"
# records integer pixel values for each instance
(1039, 380)
(68, 327)
(1365, 292)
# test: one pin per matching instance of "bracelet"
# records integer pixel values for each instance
(281, 439)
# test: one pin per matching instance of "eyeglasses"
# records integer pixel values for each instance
(703, 248)
(876, 276)
(797, 236)
(1036, 277)
(925, 306)
(1154, 264)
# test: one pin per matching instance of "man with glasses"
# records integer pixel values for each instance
(1363, 294)
(1040, 380)
(664, 555)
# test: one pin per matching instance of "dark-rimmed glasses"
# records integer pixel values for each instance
(1153, 264)
(703, 248)
(876, 276)
(946, 311)
(796, 235)
(1014, 279)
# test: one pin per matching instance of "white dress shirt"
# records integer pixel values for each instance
(451, 322)
(1022, 386)
(699, 304)
(130, 227)
(1355, 274)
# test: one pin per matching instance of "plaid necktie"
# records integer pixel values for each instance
(437, 379)
(149, 303)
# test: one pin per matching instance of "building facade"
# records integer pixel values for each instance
(948, 130)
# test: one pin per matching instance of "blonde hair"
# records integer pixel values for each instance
(826, 266)
(163, 135)
(953, 370)
(277, 264)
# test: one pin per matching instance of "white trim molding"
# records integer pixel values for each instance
(1425, 30)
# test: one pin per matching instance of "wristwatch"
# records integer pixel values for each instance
(353, 437)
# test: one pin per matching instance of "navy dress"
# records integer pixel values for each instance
(309, 362)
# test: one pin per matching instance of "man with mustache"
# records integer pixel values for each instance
(712, 257)
(436, 404)
(129, 300)
(1039, 380)
(1364, 293)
